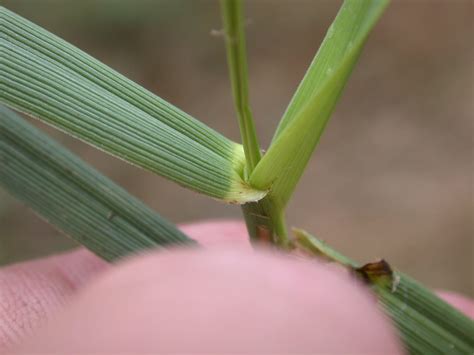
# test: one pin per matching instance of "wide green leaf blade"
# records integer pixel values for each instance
(74, 197)
(47, 78)
(314, 101)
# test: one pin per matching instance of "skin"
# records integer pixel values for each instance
(224, 298)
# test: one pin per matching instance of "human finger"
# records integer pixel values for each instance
(219, 301)
(31, 291)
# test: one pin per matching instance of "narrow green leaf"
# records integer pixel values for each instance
(49, 79)
(426, 323)
(314, 101)
(75, 198)
(232, 14)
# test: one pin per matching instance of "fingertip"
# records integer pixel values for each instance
(221, 300)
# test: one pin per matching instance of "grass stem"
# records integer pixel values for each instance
(237, 62)
(265, 219)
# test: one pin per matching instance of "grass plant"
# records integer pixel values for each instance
(47, 78)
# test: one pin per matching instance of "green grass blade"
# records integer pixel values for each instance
(49, 79)
(345, 38)
(314, 101)
(232, 14)
(427, 324)
(75, 198)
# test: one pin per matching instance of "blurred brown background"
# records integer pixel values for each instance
(392, 176)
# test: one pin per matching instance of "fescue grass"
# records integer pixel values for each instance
(45, 77)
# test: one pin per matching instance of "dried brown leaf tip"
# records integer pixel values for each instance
(378, 272)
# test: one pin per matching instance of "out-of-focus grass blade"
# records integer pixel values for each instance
(75, 198)
(49, 79)
(232, 14)
(304, 121)
(426, 323)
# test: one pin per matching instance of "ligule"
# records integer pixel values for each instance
(74, 197)
(49, 79)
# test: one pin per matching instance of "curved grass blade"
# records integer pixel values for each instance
(426, 323)
(47, 78)
(314, 101)
(75, 198)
